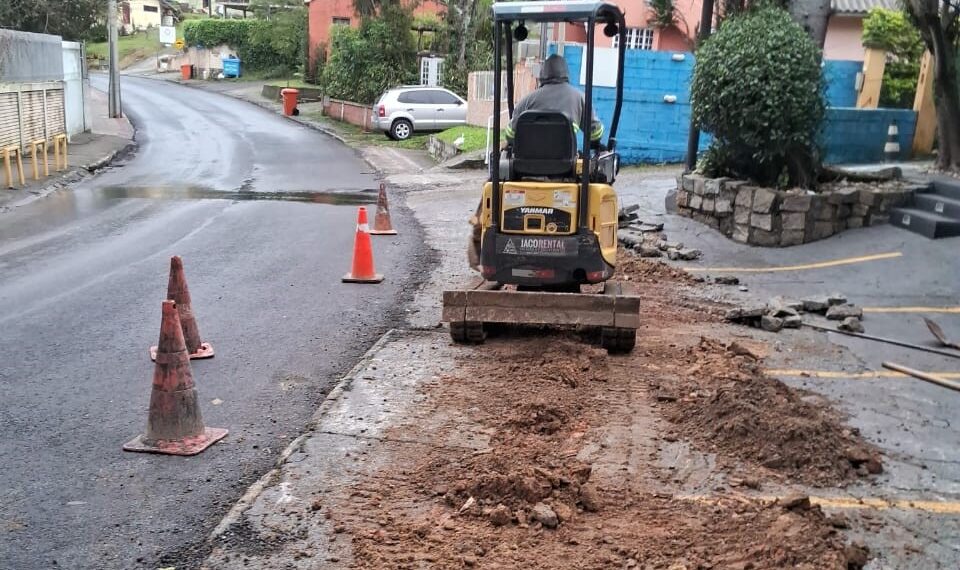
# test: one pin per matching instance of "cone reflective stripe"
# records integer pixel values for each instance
(362, 270)
(174, 424)
(891, 150)
(381, 222)
(177, 291)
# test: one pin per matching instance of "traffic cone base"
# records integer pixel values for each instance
(349, 278)
(205, 351)
(185, 446)
(383, 232)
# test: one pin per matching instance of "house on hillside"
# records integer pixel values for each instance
(324, 14)
(138, 15)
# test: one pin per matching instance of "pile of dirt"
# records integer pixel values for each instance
(531, 499)
(724, 403)
(634, 268)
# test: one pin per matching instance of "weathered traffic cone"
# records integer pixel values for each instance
(362, 271)
(891, 149)
(174, 424)
(381, 222)
(177, 291)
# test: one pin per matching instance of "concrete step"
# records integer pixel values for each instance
(927, 224)
(948, 188)
(938, 204)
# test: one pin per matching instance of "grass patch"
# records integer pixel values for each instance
(355, 135)
(144, 43)
(474, 138)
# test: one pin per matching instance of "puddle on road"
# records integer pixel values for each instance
(335, 197)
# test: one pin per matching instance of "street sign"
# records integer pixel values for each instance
(168, 34)
(179, 43)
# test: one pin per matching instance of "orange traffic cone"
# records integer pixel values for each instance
(174, 425)
(362, 271)
(177, 291)
(381, 222)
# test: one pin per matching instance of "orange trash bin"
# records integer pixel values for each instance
(289, 101)
(186, 71)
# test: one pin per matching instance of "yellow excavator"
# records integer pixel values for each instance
(548, 213)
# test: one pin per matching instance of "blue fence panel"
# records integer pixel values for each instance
(841, 79)
(653, 131)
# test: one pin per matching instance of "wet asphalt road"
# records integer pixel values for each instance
(263, 212)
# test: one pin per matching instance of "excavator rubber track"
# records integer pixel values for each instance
(615, 312)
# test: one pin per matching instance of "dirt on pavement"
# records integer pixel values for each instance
(570, 476)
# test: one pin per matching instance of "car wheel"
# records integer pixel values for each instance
(401, 129)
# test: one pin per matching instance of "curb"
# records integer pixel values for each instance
(73, 176)
(105, 161)
(254, 490)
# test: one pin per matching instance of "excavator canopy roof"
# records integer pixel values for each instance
(576, 11)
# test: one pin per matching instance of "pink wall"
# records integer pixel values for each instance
(844, 41)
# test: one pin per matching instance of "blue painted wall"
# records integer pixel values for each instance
(652, 131)
(858, 135)
(841, 79)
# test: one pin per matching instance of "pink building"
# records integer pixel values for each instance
(844, 30)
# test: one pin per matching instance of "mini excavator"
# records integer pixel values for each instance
(548, 214)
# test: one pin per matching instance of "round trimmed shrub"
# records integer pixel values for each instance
(758, 89)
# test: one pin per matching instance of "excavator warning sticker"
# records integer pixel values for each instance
(514, 197)
(539, 246)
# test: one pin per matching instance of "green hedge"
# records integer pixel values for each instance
(758, 89)
(211, 32)
(274, 45)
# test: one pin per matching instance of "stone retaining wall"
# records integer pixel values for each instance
(774, 218)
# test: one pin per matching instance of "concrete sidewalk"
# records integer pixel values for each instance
(87, 153)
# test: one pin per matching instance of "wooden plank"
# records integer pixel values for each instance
(874, 62)
(523, 307)
(926, 109)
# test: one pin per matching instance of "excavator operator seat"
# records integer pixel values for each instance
(544, 145)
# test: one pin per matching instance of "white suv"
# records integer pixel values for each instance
(403, 110)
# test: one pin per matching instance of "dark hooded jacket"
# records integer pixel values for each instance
(556, 94)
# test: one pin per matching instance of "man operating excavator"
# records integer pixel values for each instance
(554, 94)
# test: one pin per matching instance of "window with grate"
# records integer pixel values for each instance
(337, 21)
(637, 38)
(150, 9)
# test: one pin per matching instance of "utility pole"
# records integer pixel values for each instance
(113, 92)
(693, 139)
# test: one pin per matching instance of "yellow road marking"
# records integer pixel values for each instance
(804, 267)
(839, 374)
(911, 310)
(875, 503)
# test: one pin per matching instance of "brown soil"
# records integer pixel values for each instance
(728, 407)
(555, 488)
(642, 270)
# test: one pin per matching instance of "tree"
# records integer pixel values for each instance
(468, 43)
(70, 19)
(939, 25)
(891, 31)
(363, 63)
(758, 89)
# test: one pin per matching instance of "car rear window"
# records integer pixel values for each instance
(443, 98)
(421, 96)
